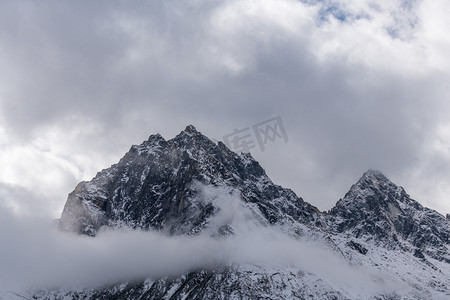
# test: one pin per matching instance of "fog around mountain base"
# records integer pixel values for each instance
(37, 255)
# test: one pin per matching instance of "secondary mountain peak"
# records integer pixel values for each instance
(377, 208)
(372, 192)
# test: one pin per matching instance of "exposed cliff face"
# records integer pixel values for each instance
(159, 185)
(376, 208)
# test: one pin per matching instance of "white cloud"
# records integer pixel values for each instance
(359, 85)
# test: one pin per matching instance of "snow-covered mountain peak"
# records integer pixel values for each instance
(373, 192)
(375, 175)
(196, 144)
(191, 133)
(152, 187)
(376, 208)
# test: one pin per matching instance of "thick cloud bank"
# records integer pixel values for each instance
(358, 85)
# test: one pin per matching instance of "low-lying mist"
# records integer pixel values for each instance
(34, 254)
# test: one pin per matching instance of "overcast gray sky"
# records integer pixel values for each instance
(358, 84)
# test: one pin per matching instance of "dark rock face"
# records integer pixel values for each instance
(419, 254)
(153, 186)
(358, 247)
(377, 208)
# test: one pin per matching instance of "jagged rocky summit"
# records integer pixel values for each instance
(376, 227)
(375, 208)
(152, 187)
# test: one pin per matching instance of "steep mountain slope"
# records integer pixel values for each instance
(153, 186)
(375, 208)
(376, 243)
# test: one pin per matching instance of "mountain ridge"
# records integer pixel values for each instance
(137, 192)
(162, 185)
